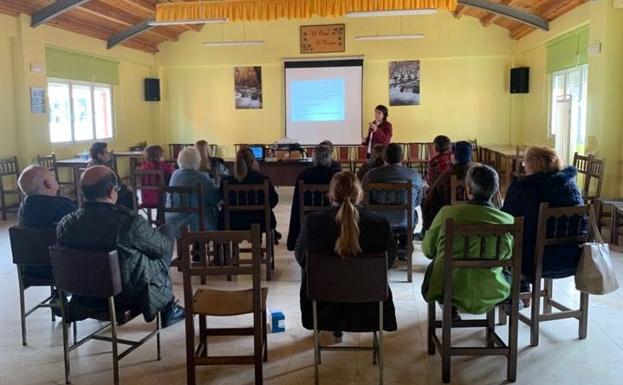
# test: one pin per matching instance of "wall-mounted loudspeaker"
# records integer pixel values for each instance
(152, 90)
(520, 80)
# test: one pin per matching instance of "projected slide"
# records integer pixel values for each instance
(321, 100)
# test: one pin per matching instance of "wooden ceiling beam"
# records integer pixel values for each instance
(458, 12)
(510, 12)
(491, 17)
(129, 33)
(53, 10)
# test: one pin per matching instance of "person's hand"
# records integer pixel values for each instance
(373, 126)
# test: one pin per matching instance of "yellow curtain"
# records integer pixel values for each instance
(264, 10)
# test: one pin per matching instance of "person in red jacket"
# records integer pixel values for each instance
(379, 130)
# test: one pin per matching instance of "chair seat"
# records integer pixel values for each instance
(216, 302)
(123, 316)
(37, 281)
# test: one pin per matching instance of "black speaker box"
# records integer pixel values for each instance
(152, 90)
(520, 80)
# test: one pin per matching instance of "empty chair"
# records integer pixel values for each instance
(212, 302)
(486, 250)
(558, 229)
(418, 154)
(9, 171)
(358, 280)
(95, 274)
(31, 255)
(591, 170)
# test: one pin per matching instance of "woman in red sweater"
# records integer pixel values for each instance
(379, 130)
(153, 161)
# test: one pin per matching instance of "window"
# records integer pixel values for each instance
(568, 110)
(79, 111)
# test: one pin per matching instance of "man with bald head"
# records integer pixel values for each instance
(144, 252)
(42, 207)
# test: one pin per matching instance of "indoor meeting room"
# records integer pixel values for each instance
(298, 192)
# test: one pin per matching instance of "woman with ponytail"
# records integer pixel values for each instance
(247, 171)
(345, 230)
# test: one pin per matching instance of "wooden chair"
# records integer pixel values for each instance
(9, 170)
(475, 150)
(361, 279)
(312, 197)
(176, 148)
(206, 302)
(418, 155)
(519, 169)
(49, 162)
(569, 235)
(590, 168)
(616, 227)
(95, 274)
(361, 157)
(454, 234)
(397, 199)
(146, 180)
(30, 250)
(343, 157)
(246, 198)
(457, 190)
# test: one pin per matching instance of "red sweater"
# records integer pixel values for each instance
(383, 134)
(151, 198)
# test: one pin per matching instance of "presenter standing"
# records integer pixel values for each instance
(379, 130)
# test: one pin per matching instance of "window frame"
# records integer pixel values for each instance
(583, 69)
(70, 83)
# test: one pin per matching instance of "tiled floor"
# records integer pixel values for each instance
(560, 358)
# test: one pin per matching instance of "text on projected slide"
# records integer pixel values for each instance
(321, 100)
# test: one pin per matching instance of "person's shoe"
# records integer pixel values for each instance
(277, 237)
(172, 314)
(418, 237)
(337, 337)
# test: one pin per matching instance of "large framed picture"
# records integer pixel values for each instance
(248, 87)
(404, 83)
(322, 38)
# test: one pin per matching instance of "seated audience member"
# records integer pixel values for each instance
(393, 171)
(345, 229)
(41, 207)
(438, 195)
(154, 161)
(211, 164)
(546, 181)
(246, 171)
(475, 291)
(100, 156)
(188, 175)
(376, 160)
(336, 166)
(442, 159)
(320, 172)
(144, 252)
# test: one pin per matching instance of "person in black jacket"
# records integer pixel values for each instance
(246, 171)
(144, 252)
(320, 172)
(100, 156)
(546, 181)
(345, 229)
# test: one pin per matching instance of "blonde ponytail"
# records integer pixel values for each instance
(345, 190)
(244, 161)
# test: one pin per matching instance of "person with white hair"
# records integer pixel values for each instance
(188, 174)
(42, 206)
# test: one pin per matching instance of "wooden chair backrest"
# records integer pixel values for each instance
(317, 195)
(486, 257)
(244, 197)
(141, 180)
(49, 162)
(590, 168)
(9, 167)
(475, 150)
(359, 279)
(520, 169)
(188, 199)
(362, 153)
(394, 199)
(176, 148)
(343, 153)
(31, 245)
(419, 151)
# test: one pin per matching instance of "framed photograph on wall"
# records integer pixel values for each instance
(37, 100)
(404, 83)
(248, 87)
(322, 38)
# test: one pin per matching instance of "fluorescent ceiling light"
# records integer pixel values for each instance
(155, 23)
(394, 12)
(226, 43)
(391, 37)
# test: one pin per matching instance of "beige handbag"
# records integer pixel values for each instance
(595, 274)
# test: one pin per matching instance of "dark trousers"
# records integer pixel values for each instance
(168, 231)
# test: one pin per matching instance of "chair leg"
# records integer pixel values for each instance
(203, 337)
(264, 335)
(535, 316)
(65, 338)
(381, 324)
(158, 355)
(316, 345)
(113, 332)
(431, 327)
(584, 317)
(446, 329)
(410, 257)
(512, 341)
(52, 310)
(501, 315)
(75, 329)
(269, 255)
(375, 348)
(549, 288)
(22, 311)
(490, 328)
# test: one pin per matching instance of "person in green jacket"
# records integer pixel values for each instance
(474, 291)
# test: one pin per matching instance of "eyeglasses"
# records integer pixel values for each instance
(117, 188)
